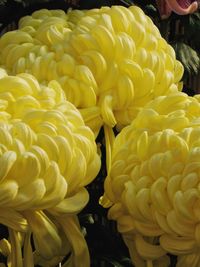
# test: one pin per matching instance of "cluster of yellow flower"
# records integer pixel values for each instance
(47, 156)
(152, 187)
(73, 73)
(110, 62)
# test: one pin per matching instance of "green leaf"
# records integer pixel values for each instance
(2, 2)
(188, 57)
(195, 17)
(192, 30)
(193, 25)
(151, 8)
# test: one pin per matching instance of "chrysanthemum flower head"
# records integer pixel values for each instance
(109, 70)
(152, 187)
(47, 156)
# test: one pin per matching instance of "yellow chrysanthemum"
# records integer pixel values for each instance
(152, 187)
(47, 156)
(109, 70)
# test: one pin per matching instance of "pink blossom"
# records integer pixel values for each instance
(180, 7)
